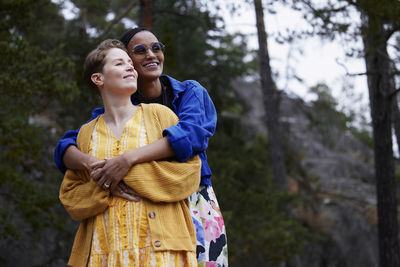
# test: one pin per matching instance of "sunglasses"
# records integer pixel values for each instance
(141, 50)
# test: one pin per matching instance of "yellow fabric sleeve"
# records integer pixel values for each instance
(163, 181)
(81, 196)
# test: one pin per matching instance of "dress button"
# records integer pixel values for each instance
(157, 244)
(152, 215)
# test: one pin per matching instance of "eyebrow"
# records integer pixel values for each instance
(146, 44)
(120, 59)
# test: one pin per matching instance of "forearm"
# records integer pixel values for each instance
(160, 149)
(111, 171)
(165, 181)
(75, 159)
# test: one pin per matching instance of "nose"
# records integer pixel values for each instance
(150, 53)
(129, 67)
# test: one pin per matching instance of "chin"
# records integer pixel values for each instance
(151, 75)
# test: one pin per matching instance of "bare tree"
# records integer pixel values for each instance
(379, 83)
(379, 21)
(271, 102)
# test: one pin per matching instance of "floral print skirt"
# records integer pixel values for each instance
(212, 249)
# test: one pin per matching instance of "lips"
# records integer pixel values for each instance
(129, 76)
(151, 64)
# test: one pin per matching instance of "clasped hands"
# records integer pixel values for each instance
(108, 174)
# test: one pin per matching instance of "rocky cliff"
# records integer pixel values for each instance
(339, 178)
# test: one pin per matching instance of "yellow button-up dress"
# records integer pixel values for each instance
(121, 234)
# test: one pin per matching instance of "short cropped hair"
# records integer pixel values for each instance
(94, 61)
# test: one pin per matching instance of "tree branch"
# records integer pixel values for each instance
(324, 10)
(117, 19)
(395, 28)
(347, 71)
(354, 3)
(394, 93)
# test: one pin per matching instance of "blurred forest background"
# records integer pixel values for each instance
(300, 183)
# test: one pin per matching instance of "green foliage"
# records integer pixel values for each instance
(364, 136)
(34, 75)
(22, 66)
(325, 115)
(201, 50)
(328, 119)
(259, 231)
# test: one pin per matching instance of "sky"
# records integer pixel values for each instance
(319, 61)
(314, 60)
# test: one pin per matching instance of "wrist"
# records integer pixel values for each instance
(88, 162)
(129, 157)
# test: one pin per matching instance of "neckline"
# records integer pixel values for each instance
(161, 99)
(113, 135)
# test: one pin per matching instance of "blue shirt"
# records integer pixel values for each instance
(197, 122)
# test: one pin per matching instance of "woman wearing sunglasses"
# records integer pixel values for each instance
(153, 230)
(197, 122)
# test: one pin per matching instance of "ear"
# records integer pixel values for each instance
(97, 79)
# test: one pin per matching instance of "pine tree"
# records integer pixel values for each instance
(379, 21)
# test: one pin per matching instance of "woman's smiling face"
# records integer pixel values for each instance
(118, 72)
(150, 64)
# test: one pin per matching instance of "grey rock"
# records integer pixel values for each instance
(344, 211)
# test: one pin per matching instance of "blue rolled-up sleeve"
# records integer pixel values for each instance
(69, 139)
(197, 122)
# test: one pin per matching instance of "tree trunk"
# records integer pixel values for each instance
(271, 105)
(379, 85)
(146, 14)
(84, 19)
(271, 102)
(395, 115)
